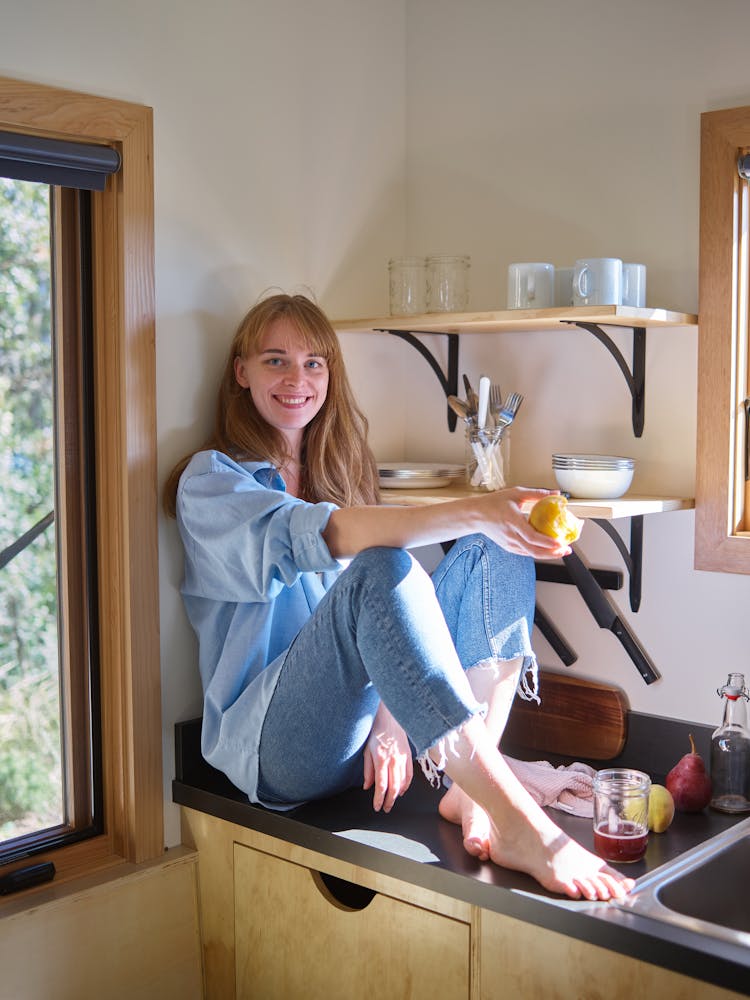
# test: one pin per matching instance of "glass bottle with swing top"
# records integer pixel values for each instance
(730, 750)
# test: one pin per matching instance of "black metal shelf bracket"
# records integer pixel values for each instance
(448, 380)
(632, 556)
(635, 378)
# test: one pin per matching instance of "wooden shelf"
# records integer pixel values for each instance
(605, 510)
(590, 318)
(508, 320)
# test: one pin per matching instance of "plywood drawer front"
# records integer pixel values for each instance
(292, 940)
(520, 960)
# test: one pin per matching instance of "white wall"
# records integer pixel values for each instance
(547, 131)
(344, 132)
(279, 133)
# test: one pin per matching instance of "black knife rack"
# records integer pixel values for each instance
(632, 556)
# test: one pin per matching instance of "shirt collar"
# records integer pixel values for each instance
(266, 474)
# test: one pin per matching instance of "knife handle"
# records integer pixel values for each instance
(634, 650)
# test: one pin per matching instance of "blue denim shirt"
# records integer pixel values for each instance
(256, 567)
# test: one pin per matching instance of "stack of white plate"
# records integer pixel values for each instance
(594, 477)
(418, 475)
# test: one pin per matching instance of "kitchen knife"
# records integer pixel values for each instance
(471, 397)
(607, 617)
(545, 625)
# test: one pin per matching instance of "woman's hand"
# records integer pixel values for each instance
(388, 763)
(509, 525)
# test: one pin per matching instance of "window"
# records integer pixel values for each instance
(722, 524)
(50, 767)
(31, 759)
(122, 595)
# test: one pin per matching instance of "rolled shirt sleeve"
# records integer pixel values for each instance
(244, 540)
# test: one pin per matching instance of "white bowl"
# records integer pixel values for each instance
(591, 462)
(594, 484)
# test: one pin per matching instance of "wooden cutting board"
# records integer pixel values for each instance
(577, 718)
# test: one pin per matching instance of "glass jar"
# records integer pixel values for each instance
(407, 285)
(621, 814)
(448, 283)
(487, 461)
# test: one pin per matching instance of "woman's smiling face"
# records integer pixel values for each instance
(288, 383)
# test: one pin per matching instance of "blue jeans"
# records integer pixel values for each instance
(387, 630)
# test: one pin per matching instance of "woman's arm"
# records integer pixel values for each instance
(497, 514)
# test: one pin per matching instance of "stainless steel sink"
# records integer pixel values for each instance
(706, 890)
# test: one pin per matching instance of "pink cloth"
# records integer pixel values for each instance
(568, 788)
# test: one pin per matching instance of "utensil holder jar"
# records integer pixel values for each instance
(487, 465)
(448, 283)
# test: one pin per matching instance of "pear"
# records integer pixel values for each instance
(660, 809)
(689, 783)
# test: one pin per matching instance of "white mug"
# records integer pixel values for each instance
(531, 286)
(634, 285)
(563, 286)
(597, 281)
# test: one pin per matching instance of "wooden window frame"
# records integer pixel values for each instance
(78, 623)
(722, 520)
(126, 471)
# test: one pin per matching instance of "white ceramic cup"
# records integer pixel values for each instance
(531, 286)
(634, 285)
(597, 281)
(563, 286)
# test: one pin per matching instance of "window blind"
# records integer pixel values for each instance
(55, 161)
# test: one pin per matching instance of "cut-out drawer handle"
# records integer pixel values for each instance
(345, 895)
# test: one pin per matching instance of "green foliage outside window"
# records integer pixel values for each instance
(30, 769)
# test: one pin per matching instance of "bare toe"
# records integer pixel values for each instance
(477, 847)
(458, 808)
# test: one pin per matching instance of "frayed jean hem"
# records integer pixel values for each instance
(527, 689)
(433, 769)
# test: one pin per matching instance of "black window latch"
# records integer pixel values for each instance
(25, 878)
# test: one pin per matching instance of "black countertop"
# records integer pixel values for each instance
(414, 844)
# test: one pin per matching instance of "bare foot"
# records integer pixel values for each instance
(457, 807)
(541, 849)
(522, 836)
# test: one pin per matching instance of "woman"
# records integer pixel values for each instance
(317, 679)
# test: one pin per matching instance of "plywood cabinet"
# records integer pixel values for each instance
(518, 960)
(272, 929)
(294, 939)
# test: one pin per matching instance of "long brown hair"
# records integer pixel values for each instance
(337, 464)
